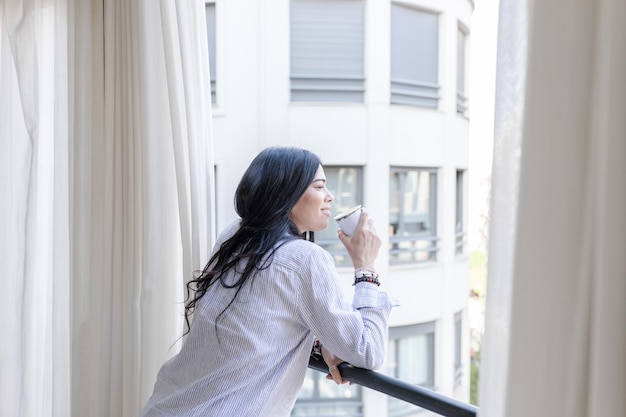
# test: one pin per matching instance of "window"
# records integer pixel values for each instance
(346, 184)
(461, 95)
(210, 29)
(458, 344)
(321, 397)
(414, 57)
(411, 358)
(327, 50)
(412, 215)
(459, 213)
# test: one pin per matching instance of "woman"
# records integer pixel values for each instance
(267, 293)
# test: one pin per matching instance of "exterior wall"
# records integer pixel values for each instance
(253, 110)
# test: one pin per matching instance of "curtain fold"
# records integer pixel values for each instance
(555, 340)
(152, 223)
(509, 118)
(106, 177)
(34, 236)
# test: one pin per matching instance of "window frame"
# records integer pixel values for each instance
(321, 84)
(332, 244)
(421, 93)
(212, 33)
(462, 100)
(430, 237)
(460, 231)
(428, 329)
(458, 348)
(319, 403)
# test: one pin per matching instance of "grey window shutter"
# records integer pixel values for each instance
(210, 28)
(327, 50)
(414, 57)
(461, 97)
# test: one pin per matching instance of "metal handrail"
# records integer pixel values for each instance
(422, 397)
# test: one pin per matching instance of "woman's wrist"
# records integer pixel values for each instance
(364, 267)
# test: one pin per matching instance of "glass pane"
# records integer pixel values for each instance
(330, 390)
(320, 397)
(459, 213)
(410, 360)
(460, 75)
(413, 357)
(412, 216)
(412, 250)
(409, 205)
(318, 409)
(399, 408)
(346, 185)
(457, 342)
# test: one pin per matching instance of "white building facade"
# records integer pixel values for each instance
(376, 88)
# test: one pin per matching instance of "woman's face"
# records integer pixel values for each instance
(312, 211)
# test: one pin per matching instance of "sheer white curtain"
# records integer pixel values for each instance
(555, 338)
(106, 195)
(34, 211)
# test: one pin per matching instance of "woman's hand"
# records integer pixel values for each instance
(364, 244)
(333, 361)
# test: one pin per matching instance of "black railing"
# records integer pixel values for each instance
(413, 394)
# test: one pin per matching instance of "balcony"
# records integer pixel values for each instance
(413, 394)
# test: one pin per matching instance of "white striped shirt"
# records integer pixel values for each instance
(255, 364)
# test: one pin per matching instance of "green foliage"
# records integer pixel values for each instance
(478, 259)
(474, 378)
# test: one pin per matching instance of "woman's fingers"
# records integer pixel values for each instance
(335, 375)
(333, 362)
(338, 381)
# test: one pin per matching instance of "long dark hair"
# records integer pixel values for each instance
(267, 192)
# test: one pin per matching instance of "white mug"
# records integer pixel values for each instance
(349, 220)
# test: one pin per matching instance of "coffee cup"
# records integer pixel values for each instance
(349, 220)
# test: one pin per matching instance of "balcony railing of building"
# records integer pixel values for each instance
(422, 397)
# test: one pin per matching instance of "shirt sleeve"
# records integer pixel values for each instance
(355, 332)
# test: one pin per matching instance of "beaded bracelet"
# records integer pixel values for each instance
(367, 279)
(361, 275)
